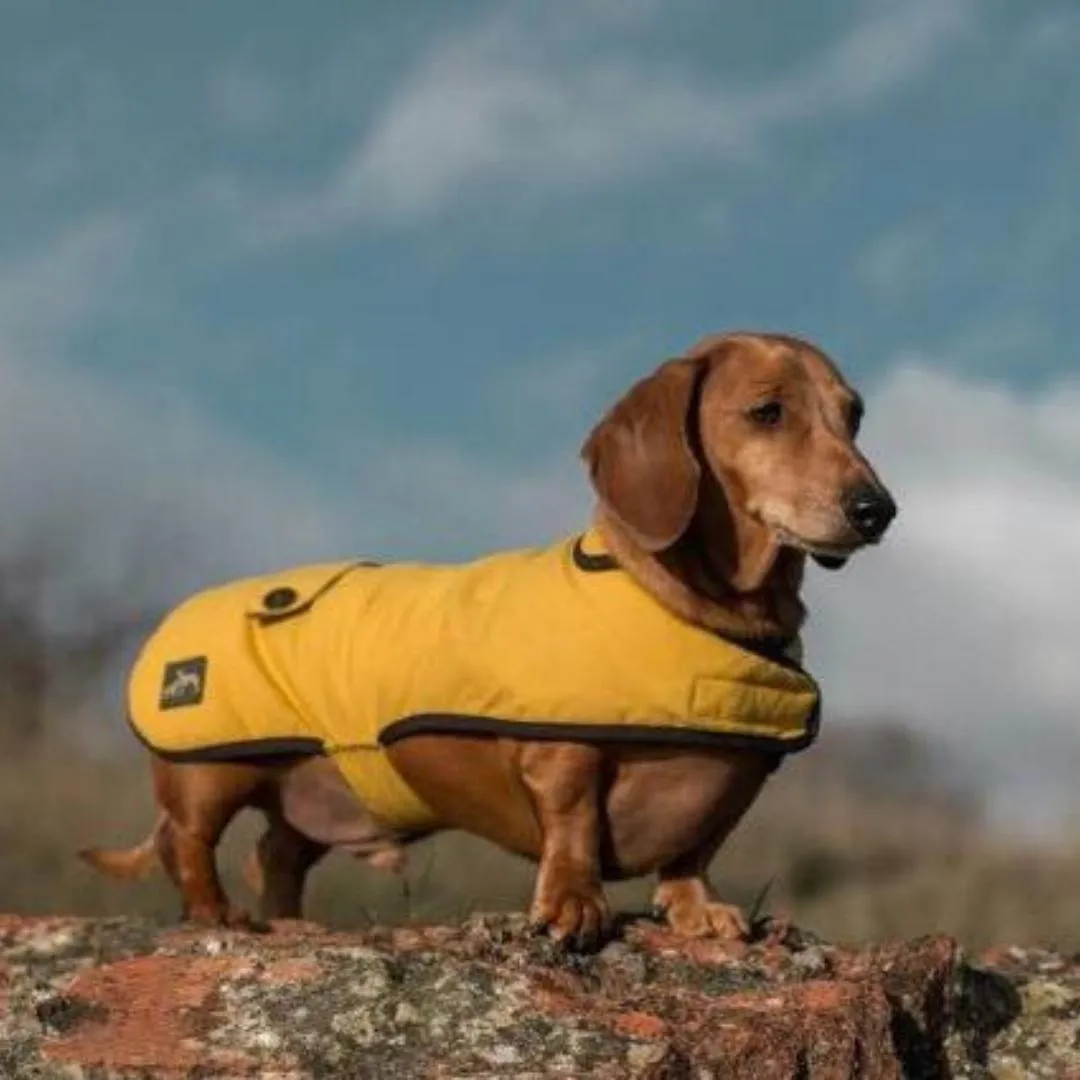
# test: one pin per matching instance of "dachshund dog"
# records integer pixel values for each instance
(716, 476)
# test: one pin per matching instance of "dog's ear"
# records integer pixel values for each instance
(640, 459)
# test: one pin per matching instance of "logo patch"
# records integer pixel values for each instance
(184, 683)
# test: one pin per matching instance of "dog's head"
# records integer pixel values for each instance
(751, 438)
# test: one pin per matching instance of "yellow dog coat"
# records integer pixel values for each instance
(347, 658)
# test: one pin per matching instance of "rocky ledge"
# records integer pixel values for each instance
(103, 998)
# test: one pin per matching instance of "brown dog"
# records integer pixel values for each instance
(716, 476)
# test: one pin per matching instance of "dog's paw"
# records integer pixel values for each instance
(227, 918)
(577, 917)
(708, 919)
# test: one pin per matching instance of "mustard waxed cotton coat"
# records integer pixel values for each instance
(346, 658)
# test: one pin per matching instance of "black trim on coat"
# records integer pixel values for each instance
(254, 750)
(251, 750)
(637, 734)
(592, 563)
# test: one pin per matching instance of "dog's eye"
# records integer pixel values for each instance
(855, 418)
(767, 415)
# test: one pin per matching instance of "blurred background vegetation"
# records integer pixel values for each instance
(872, 833)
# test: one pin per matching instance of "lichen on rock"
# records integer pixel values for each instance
(122, 998)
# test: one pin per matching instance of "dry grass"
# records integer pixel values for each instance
(859, 839)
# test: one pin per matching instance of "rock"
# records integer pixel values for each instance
(123, 998)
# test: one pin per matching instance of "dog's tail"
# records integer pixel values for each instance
(127, 863)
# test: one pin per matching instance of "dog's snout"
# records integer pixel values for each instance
(870, 510)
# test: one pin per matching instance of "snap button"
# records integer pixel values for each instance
(282, 597)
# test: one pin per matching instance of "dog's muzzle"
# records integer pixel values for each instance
(869, 510)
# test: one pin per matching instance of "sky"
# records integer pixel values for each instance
(282, 283)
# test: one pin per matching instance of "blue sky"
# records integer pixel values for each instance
(296, 209)
(282, 282)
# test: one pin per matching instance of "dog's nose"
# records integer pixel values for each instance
(870, 510)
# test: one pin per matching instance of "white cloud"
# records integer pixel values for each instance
(243, 99)
(515, 105)
(436, 501)
(131, 497)
(1053, 32)
(561, 385)
(886, 49)
(903, 257)
(137, 498)
(49, 291)
(967, 621)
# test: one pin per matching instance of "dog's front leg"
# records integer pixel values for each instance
(690, 903)
(565, 780)
(684, 892)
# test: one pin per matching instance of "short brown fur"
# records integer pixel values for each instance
(712, 508)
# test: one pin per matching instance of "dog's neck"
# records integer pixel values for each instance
(693, 584)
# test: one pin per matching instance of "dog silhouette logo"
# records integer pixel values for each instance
(184, 682)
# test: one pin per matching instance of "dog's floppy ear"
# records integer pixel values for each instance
(640, 459)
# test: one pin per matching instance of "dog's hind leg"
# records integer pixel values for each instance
(199, 804)
(277, 869)
(312, 810)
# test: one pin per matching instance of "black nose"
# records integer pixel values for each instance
(870, 510)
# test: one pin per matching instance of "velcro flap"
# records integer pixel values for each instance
(752, 709)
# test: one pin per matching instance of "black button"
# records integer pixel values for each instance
(281, 597)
